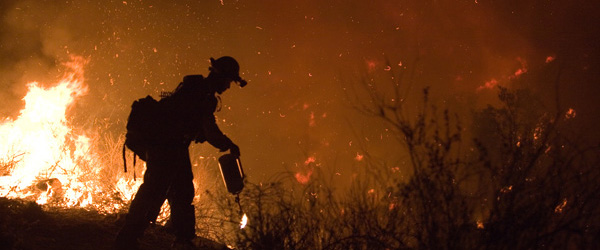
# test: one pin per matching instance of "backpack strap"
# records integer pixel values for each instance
(125, 161)
(134, 156)
(124, 158)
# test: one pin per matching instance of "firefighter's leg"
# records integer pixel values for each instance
(135, 221)
(181, 196)
(149, 197)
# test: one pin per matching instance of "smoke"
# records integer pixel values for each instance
(20, 50)
(298, 56)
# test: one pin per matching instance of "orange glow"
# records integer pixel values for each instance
(309, 160)
(523, 68)
(371, 65)
(520, 71)
(391, 206)
(303, 178)
(311, 120)
(488, 85)
(537, 133)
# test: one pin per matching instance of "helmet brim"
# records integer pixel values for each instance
(241, 82)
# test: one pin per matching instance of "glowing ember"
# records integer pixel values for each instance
(522, 70)
(491, 84)
(570, 114)
(488, 85)
(391, 206)
(310, 160)
(558, 209)
(359, 157)
(506, 189)
(304, 178)
(244, 221)
(480, 225)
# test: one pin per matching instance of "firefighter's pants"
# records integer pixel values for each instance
(168, 176)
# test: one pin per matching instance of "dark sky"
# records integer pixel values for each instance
(298, 57)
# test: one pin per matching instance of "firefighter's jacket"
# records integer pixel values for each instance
(189, 115)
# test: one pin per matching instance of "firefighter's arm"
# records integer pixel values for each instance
(215, 137)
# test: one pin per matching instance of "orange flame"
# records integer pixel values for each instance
(49, 160)
(40, 133)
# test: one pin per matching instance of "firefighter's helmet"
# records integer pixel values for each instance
(228, 67)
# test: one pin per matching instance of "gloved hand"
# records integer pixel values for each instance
(234, 150)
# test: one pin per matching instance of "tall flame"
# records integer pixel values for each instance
(41, 156)
(40, 132)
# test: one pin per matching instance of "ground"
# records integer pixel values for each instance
(26, 225)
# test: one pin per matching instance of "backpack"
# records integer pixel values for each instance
(141, 127)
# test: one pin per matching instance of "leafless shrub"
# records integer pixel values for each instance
(525, 184)
(539, 191)
(8, 163)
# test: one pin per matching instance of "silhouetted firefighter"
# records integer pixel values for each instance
(180, 117)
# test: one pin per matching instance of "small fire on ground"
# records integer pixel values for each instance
(243, 221)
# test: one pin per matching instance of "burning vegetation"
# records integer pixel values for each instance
(47, 159)
(498, 151)
(520, 182)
